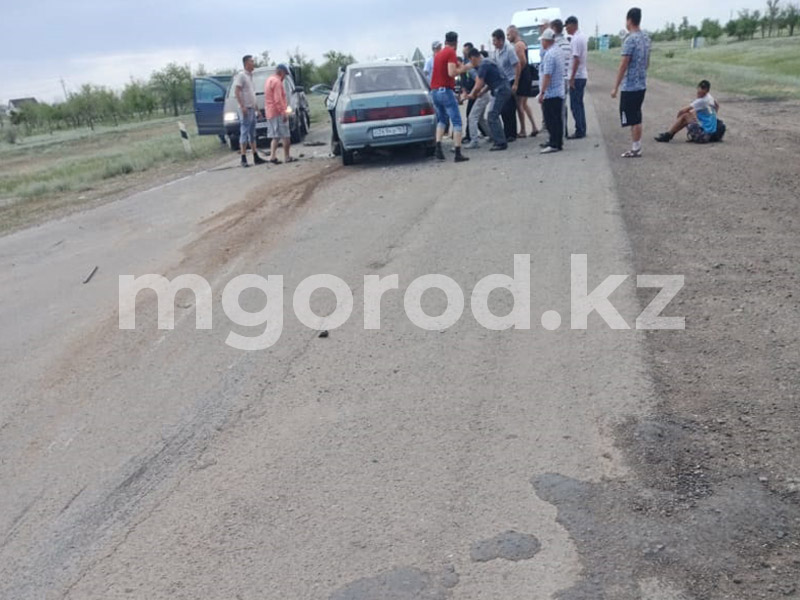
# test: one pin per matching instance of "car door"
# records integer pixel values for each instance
(209, 106)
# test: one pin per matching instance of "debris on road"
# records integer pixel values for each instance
(92, 274)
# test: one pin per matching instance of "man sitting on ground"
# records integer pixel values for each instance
(699, 118)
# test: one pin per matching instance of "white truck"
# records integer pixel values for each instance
(528, 22)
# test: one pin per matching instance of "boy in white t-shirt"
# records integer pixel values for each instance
(700, 117)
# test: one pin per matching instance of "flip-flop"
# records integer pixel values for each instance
(275, 161)
(291, 159)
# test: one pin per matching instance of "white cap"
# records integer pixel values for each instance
(548, 35)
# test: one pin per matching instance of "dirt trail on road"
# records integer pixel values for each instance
(400, 463)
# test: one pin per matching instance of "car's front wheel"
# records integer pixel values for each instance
(296, 133)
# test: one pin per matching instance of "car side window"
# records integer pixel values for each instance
(207, 91)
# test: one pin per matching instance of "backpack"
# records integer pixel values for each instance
(696, 135)
(720, 132)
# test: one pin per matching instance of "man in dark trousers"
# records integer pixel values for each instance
(489, 74)
(553, 91)
(506, 58)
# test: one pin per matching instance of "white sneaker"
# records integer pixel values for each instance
(473, 145)
(549, 150)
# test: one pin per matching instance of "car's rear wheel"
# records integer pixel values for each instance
(348, 157)
(336, 145)
(304, 125)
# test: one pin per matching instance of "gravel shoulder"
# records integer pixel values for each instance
(720, 458)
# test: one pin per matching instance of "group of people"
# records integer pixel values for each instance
(276, 111)
(498, 84)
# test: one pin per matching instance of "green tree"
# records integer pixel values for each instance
(328, 71)
(711, 29)
(772, 14)
(173, 84)
(86, 105)
(109, 105)
(791, 18)
(138, 99)
(305, 68)
(264, 60)
(683, 29)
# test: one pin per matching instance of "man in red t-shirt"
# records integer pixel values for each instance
(446, 67)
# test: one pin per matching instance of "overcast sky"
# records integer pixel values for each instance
(106, 42)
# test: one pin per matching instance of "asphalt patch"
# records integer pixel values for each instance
(510, 545)
(627, 533)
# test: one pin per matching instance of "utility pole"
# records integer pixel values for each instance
(64, 87)
(597, 36)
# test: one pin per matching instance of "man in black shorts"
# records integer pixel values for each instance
(525, 89)
(632, 78)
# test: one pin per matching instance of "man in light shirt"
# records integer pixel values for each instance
(506, 58)
(700, 117)
(563, 44)
(552, 93)
(578, 76)
(248, 110)
(428, 69)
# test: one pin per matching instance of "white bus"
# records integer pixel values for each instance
(528, 22)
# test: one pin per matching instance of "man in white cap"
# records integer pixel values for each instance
(428, 69)
(276, 109)
(552, 95)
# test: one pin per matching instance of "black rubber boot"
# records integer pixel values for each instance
(460, 157)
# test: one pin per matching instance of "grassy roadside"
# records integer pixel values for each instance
(768, 69)
(52, 175)
(73, 163)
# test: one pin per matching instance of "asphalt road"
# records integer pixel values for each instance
(386, 464)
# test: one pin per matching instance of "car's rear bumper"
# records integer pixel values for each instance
(357, 136)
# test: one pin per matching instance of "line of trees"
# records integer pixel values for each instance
(776, 20)
(311, 72)
(167, 92)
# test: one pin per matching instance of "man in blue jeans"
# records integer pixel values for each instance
(446, 67)
(490, 75)
(578, 76)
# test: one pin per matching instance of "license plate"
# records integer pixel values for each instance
(382, 132)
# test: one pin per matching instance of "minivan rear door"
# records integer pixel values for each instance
(209, 106)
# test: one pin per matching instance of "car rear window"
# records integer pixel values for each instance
(383, 79)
